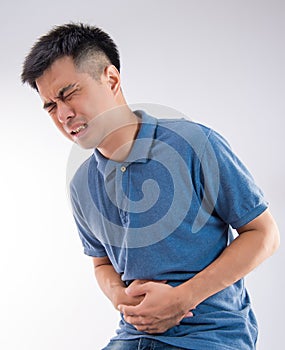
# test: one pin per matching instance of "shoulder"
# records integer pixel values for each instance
(184, 127)
(185, 132)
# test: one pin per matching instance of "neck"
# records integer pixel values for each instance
(118, 144)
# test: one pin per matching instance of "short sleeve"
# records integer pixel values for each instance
(229, 187)
(92, 246)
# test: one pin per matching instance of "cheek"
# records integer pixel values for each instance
(97, 104)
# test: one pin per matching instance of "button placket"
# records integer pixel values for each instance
(122, 193)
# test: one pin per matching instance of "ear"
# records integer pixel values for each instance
(112, 77)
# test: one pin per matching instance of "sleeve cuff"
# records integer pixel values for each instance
(250, 216)
(97, 254)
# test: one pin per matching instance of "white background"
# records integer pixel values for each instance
(220, 62)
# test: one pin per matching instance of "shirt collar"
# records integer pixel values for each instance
(140, 152)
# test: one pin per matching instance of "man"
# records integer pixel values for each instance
(154, 204)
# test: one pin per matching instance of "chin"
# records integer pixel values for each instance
(86, 145)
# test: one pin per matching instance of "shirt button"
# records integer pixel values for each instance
(123, 169)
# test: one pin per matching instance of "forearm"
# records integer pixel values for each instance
(111, 284)
(107, 278)
(246, 252)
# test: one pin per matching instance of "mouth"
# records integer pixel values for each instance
(79, 129)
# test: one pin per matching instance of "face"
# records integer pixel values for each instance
(77, 103)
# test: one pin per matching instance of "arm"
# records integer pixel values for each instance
(257, 240)
(165, 306)
(111, 284)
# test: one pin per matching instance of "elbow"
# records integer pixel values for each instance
(272, 239)
(267, 226)
(275, 240)
(98, 262)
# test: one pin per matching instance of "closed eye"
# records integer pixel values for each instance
(68, 95)
(49, 106)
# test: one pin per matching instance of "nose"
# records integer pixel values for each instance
(64, 112)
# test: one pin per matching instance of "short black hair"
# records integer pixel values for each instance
(79, 41)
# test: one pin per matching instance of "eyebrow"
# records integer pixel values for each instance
(64, 90)
(60, 95)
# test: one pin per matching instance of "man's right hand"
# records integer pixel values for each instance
(120, 297)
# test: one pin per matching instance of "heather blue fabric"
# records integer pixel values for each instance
(166, 213)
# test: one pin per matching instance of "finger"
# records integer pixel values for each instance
(141, 287)
(138, 321)
(136, 282)
(137, 289)
(151, 329)
(189, 314)
(129, 310)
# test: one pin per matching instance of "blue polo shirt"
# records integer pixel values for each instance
(166, 213)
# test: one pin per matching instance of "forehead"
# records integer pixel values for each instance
(60, 74)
